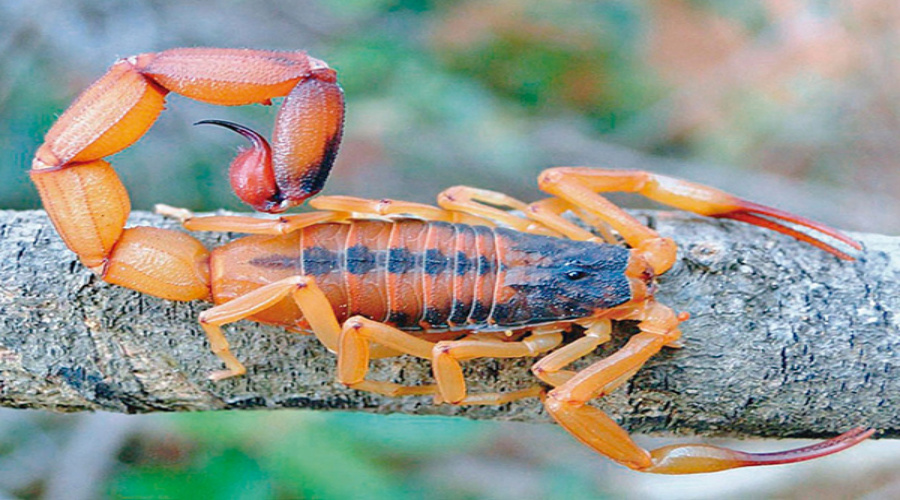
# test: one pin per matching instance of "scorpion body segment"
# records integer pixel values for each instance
(429, 276)
(379, 278)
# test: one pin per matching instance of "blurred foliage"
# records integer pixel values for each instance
(442, 92)
(490, 92)
(308, 455)
(546, 58)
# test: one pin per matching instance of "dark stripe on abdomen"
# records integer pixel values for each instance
(437, 276)
(409, 273)
(485, 272)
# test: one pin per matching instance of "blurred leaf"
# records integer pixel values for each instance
(358, 9)
(224, 474)
(319, 460)
(751, 14)
(583, 57)
(314, 454)
(571, 485)
(25, 116)
(410, 435)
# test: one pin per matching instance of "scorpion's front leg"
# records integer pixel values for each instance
(88, 203)
(568, 405)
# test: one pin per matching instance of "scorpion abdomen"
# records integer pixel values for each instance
(427, 275)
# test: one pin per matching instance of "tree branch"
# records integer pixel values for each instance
(784, 340)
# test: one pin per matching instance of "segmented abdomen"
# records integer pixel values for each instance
(409, 273)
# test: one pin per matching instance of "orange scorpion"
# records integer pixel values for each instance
(370, 279)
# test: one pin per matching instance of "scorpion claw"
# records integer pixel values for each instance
(694, 458)
(763, 216)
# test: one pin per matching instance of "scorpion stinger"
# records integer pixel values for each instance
(251, 174)
(298, 168)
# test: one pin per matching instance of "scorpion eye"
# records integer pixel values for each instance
(575, 274)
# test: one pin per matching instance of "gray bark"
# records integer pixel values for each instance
(784, 340)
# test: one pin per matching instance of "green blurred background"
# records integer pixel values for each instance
(789, 102)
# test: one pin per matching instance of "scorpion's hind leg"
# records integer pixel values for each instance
(246, 224)
(354, 352)
(303, 290)
(352, 206)
(567, 404)
(448, 371)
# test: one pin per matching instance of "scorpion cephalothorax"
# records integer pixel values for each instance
(466, 280)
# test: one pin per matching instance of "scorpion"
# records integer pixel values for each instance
(479, 275)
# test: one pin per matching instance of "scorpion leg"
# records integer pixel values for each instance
(383, 207)
(354, 352)
(386, 208)
(448, 372)
(550, 212)
(580, 185)
(460, 204)
(302, 289)
(359, 333)
(567, 404)
(254, 225)
(344, 207)
(484, 203)
(543, 217)
(550, 368)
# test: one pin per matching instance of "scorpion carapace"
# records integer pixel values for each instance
(460, 281)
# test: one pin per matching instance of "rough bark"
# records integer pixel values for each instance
(784, 340)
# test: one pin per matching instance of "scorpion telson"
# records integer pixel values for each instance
(379, 278)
